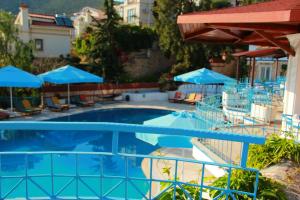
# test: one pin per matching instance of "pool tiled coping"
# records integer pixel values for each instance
(46, 114)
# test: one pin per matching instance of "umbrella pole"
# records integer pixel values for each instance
(11, 100)
(68, 93)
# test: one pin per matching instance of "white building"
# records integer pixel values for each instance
(84, 18)
(52, 35)
(137, 12)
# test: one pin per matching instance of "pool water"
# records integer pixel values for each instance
(92, 141)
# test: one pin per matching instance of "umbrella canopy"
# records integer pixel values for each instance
(204, 76)
(11, 76)
(181, 119)
(69, 74)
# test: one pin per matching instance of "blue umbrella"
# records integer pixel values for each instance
(204, 76)
(183, 119)
(11, 76)
(68, 75)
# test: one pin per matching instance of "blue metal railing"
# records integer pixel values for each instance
(26, 180)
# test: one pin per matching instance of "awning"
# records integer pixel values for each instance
(263, 24)
(204, 76)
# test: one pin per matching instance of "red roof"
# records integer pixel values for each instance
(263, 24)
(286, 7)
(272, 52)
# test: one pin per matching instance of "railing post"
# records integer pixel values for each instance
(115, 143)
(26, 176)
(0, 176)
(175, 180)
(52, 177)
(244, 154)
(77, 176)
(151, 174)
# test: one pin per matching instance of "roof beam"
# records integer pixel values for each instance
(197, 33)
(257, 38)
(252, 27)
(228, 32)
(275, 42)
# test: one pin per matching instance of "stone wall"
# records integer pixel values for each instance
(146, 63)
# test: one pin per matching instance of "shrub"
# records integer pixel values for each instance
(244, 181)
(274, 151)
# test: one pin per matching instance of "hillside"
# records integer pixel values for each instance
(50, 6)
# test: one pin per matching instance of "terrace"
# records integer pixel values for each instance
(145, 144)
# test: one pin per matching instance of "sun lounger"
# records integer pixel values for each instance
(178, 97)
(85, 99)
(27, 105)
(198, 97)
(55, 107)
(78, 102)
(25, 111)
(190, 98)
(56, 101)
(4, 115)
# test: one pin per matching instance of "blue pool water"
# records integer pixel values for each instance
(82, 141)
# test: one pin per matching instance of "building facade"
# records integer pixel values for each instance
(52, 35)
(136, 12)
(84, 18)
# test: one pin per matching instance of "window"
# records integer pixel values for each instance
(265, 73)
(39, 46)
(131, 14)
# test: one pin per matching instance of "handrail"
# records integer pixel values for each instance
(103, 126)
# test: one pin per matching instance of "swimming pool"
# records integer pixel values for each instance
(86, 142)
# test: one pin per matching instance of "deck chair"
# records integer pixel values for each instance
(78, 102)
(57, 102)
(54, 107)
(20, 108)
(190, 98)
(178, 97)
(27, 105)
(198, 97)
(4, 115)
(86, 100)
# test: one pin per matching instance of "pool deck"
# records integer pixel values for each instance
(164, 105)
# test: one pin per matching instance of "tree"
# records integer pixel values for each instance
(247, 2)
(104, 51)
(12, 50)
(188, 55)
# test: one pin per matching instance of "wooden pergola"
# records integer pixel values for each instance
(273, 52)
(263, 24)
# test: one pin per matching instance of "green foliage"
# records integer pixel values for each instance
(180, 194)
(133, 38)
(188, 55)
(103, 49)
(216, 4)
(274, 151)
(51, 6)
(247, 2)
(12, 50)
(244, 181)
